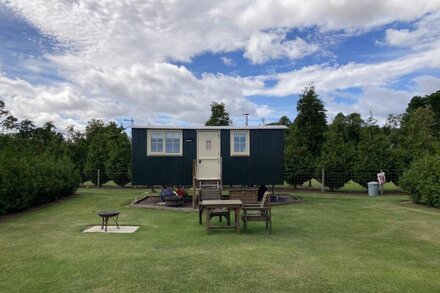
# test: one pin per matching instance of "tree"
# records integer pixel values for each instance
(284, 120)
(34, 166)
(422, 180)
(77, 147)
(97, 152)
(118, 162)
(219, 116)
(416, 139)
(311, 120)
(393, 129)
(415, 103)
(353, 128)
(298, 161)
(109, 151)
(373, 153)
(429, 101)
(7, 120)
(337, 155)
(434, 103)
(306, 136)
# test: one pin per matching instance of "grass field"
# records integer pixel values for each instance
(329, 243)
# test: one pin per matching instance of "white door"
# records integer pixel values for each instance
(208, 155)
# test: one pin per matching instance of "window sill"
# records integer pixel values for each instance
(240, 155)
(164, 155)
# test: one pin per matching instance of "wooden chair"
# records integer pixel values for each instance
(258, 212)
(208, 194)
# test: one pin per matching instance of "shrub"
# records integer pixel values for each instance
(27, 180)
(422, 180)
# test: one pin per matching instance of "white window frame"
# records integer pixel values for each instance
(246, 153)
(163, 153)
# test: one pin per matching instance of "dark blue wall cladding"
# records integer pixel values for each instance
(263, 166)
(162, 170)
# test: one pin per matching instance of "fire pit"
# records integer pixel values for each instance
(105, 215)
(174, 201)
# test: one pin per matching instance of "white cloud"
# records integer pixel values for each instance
(146, 93)
(126, 32)
(328, 78)
(334, 14)
(427, 84)
(170, 90)
(426, 32)
(227, 61)
(264, 46)
(62, 104)
(114, 54)
(379, 101)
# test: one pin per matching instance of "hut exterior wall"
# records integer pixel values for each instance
(162, 170)
(263, 166)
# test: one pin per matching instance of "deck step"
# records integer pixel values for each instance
(209, 184)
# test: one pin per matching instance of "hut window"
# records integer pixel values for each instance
(157, 142)
(240, 143)
(164, 143)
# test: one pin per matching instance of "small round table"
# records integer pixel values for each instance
(105, 215)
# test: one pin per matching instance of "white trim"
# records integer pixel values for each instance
(247, 152)
(171, 127)
(210, 158)
(163, 153)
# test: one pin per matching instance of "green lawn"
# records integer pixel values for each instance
(329, 243)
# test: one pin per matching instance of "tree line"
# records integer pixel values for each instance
(41, 164)
(351, 147)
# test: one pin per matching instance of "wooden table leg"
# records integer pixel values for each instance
(200, 215)
(237, 220)
(208, 213)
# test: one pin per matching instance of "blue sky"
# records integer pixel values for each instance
(164, 63)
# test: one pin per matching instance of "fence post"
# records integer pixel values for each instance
(322, 180)
(99, 178)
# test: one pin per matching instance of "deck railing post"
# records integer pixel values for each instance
(99, 178)
(194, 183)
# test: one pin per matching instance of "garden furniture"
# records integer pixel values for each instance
(211, 205)
(258, 212)
(213, 194)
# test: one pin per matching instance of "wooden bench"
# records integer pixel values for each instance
(246, 195)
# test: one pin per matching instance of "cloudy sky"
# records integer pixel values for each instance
(164, 62)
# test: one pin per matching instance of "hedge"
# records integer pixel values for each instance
(27, 180)
(422, 180)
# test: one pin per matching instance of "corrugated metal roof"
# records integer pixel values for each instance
(208, 127)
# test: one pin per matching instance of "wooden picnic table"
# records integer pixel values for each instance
(209, 205)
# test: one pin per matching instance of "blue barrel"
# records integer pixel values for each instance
(373, 188)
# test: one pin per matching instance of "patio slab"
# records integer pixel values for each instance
(112, 229)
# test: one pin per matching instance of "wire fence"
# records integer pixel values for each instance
(324, 181)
